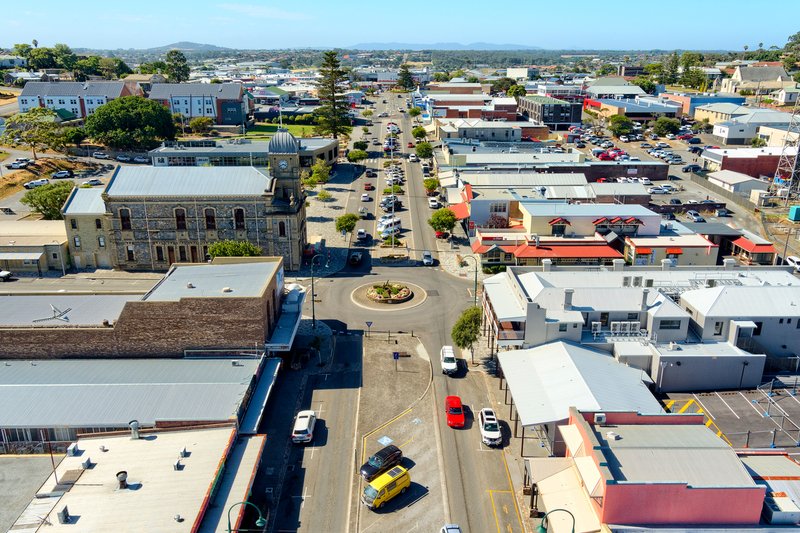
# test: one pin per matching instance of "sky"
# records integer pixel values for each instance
(269, 24)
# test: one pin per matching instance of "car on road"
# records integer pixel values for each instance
(371, 173)
(427, 258)
(92, 182)
(454, 411)
(5, 275)
(100, 155)
(361, 234)
(410, 145)
(303, 430)
(369, 186)
(450, 528)
(61, 174)
(657, 190)
(380, 462)
(490, 427)
(355, 257)
(36, 183)
(433, 203)
(447, 358)
(363, 212)
(792, 260)
(694, 216)
(366, 198)
(413, 158)
(376, 142)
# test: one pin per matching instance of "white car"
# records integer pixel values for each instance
(413, 158)
(123, 158)
(447, 357)
(433, 203)
(5, 275)
(140, 159)
(490, 427)
(793, 261)
(623, 138)
(304, 423)
(427, 258)
(36, 183)
(657, 190)
(645, 181)
(100, 155)
(365, 197)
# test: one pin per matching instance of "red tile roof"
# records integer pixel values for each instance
(461, 210)
(567, 251)
(748, 245)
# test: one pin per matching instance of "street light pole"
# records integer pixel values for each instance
(475, 281)
(741, 378)
(313, 295)
(260, 522)
(542, 527)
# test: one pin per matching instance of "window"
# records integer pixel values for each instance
(98, 224)
(159, 253)
(558, 229)
(77, 241)
(282, 228)
(180, 218)
(562, 327)
(633, 316)
(780, 321)
(757, 331)
(130, 254)
(182, 253)
(497, 207)
(718, 328)
(669, 324)
(101, 241)
(125, 219)
(211, 218)
(238, 218)
(73, 223)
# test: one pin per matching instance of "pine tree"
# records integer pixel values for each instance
(333, 118)
(177, 68)
(404, 78)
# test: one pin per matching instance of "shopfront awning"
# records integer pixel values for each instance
(20, 256)
(644, 251)
(675, 251)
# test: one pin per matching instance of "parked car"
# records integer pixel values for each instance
(668, 216)
(792, 260)
(657, 190)
(675, 201)
(433, 203)
(722, 212)
(92, 182)
(441, 234)
(670, 137)
(692, 168)
(100, 155)
(427, 258)
(5, 275)
(17, 164)
(645, 181)
(694, 140)
(361, 234)
(385, 487)
(371, 173)
(369, 186)
(454, 411)
(694, 216)
(303, 430)
(36, 183)
(580, 145)
(490, 427)
(366, 197)
(390, 232)
(623, 138)
(653, 137)
(61, 174)
(685, 136)
(380, 462)
(413, 158)
(645, 145)
(141, 159)
(447, 358)
(123, 158)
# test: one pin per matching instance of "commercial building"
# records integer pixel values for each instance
(613, 88)
(639, 109)
(231, 304)
(33, 246)
(487, 130)
(554, 113)
(753, 162)
(239, 153)
(225, 103)
(743, 128)
(77, 99)
(691, 101)
(736, 182)
(685, 250)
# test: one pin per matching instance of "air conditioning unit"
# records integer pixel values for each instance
(596, 327)
(635, 326)
(624, 328)
(615, 328)
(637, 281)
(626, 281)
(599, 418)
(72, 449)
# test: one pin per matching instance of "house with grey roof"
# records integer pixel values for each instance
(225, 103)
(759, 80)
(80, 99)
(743, 128)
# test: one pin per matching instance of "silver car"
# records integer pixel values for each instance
(427, 258)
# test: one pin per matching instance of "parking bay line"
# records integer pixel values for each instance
(728, 406)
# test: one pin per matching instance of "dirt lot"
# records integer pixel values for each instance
(12, 180)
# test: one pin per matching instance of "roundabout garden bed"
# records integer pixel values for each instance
(389, 293)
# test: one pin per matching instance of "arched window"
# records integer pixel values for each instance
(211, 218)
(180, 218)
(125, 218)
(238, 218)
(282, 229)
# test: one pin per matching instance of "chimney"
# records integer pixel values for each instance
(666, 264)
(568, 299)
(618, 265)
(645, 293)
(134, 425)
(547, 265)
(122, 478)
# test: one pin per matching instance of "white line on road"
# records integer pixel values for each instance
(353, 462)
(751, 404)
(726, 405)
(706, 411)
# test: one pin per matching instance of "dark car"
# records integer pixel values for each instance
(692, 168)
(694, 140)
(371, 174)
(382, 461)
(580, 145)
(675, 201)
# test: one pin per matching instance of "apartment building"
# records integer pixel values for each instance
(554, 113)
(78, 99)
(225, 103)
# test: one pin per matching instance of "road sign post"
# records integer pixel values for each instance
(369, 325)
(396, 357)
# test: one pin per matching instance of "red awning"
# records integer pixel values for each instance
(461, 210)
(675, 251)
(615, 220)
(559, 220)
(644, 251)
(567, 252)
(746, 244)
(601, 220)
(633, 220)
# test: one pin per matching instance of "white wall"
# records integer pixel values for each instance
(194, 106)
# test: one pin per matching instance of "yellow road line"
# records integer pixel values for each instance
(514, 496)
(494, 511)
(364, 439)
(669, 405)
(686, 406)
(406, 442)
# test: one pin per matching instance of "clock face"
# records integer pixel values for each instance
(283, 164)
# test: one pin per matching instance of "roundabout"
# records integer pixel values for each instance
(388, 296)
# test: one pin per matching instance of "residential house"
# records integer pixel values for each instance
(80, 99)
(225, 103)
(757, 80)
(786, 95)
(9, 61)
(17, 78)
(145, 81)
(742, 129)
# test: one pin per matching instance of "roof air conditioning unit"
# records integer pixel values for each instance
(63, 516)
(612, 436)
(599, 418)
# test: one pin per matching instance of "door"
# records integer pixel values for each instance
(193, 251)
(604, 319)
(171, 254)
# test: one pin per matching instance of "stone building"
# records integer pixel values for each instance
(148, 218)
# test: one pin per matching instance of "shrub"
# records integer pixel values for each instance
(324, 196)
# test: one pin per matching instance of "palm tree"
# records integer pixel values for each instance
(35, 43)
(760, 46)
(746, 48)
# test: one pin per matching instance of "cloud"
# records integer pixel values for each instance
(262, 12)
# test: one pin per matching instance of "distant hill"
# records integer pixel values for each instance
(441, 46)
(185, 46)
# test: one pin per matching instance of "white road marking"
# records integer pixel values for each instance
(706, 411)
(352, 463)
(751, 404)
(726, 405)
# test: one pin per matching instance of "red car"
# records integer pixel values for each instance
(685, 136)
(369, 187)
(455, 411)
(410, 145)
(441, 234)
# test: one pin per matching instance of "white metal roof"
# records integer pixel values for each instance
(732, 177)
(506, 306)
(188, 182)
(248, 279)
(742, 302)
(547, 380)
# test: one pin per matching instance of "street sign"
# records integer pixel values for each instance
(369, 324)
(396, 355)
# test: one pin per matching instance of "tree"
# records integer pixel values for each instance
(437, 76)
(645, 83)
(35, 43)
(22, 50)
(792, 44)
(473, 79)
(361, 145)
(467, 328)
(606, 70)
(670, 74)
(418, 132)
(694, 77)
(41, 58)
(367, 113)
(64, 56)
(73, 135)
(394, 189)
(424, 150)
(131, 122)
(155, 67)
(665, 125)
(758, 142)
(502, 85)
(654, 69)
(177, 69)
(442, 220)
(332, 115)
(347, 223)
(232, 248)
(789, 62)
(691, 59)
(321, 172)
(620, 125)
(201, 124)
(86, 67)
(48, 199)
(404, 78)
(35, 128)
(516, 90)
(354, 156)
(702, 126)
(414, 112)
(430, 184)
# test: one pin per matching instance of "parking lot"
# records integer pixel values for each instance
(757, 418)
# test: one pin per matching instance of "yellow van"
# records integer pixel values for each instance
(385, 487)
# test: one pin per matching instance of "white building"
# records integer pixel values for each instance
(737, 182)
(81, 99)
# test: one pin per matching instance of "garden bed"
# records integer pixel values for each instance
(389, 293)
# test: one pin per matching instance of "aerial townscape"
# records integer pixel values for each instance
(430, 282)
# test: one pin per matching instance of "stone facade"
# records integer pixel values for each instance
(88, 240)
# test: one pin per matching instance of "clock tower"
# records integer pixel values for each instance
(284, 165)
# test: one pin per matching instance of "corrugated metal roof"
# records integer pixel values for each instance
(146, 181)
(109, 89)
(243, 279)
(505, 304)
(224, 91)
(283, 142)
(547, 380)
(562, 209)
(83, 201)
(112, 392)
(731, 301)
(78, 310)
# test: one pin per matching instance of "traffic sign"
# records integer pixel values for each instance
(369, 324)
(396, 355)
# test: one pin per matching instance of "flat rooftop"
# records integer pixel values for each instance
(220, 280)
(239, 148)
(61, 310)
(676, 240)
(83, 393)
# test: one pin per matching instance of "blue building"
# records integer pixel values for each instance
(690, 101)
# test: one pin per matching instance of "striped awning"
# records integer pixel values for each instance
(675, 251)
(559, 220)
(601, 220)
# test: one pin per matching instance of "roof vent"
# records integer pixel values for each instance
(134, 425)
(122, 479)
(189, 285)
(227, 289)
(612, 436)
